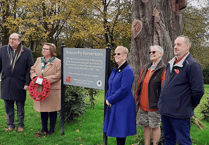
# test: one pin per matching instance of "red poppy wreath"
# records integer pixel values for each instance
(45, 91)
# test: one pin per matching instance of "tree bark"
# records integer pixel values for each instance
(162, 22)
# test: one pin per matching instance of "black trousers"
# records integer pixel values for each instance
(44, 119)
(121, 141)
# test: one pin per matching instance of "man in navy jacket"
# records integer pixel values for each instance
(181, 92)
(15, 64)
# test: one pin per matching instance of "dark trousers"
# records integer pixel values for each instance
(121, 141)
(44, 119)
(9, 107)
(174, 129)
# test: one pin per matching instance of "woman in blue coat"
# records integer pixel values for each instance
(120, 118)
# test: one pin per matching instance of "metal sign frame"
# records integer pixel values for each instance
(107, 74)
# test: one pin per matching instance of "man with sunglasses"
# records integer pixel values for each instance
(15, 63)
(180, 94)
(147, 94)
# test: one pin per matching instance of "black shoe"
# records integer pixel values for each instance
(50, 132)
(39, 134)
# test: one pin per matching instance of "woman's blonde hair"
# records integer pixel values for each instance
(52, 48)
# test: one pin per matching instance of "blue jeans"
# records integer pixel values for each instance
(175, 128)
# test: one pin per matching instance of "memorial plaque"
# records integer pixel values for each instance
(84, 67)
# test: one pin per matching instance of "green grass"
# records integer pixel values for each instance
(201, 136)
(88, 128)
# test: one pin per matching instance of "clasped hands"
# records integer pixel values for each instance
(108, 104)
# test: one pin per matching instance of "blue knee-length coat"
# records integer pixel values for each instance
(120, 118)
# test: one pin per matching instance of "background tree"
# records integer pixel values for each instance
(5, 12)
(85, 23)
(109, 22)
(197, 29)
(40, 21)
(117, 21)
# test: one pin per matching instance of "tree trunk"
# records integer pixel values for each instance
(155, 22)
(5, 30)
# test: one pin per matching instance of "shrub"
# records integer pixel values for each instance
(92, 93)
(206, 75)
(204, 109)
(74, 102)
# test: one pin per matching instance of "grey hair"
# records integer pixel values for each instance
(187, 40)
(19, 38)
(159, 49)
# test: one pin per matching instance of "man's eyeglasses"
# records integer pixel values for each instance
(153, 52)
(13, 39)
(117, 53)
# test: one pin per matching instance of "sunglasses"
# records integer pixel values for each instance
(117, 53)
(50, 44)
(153, 52)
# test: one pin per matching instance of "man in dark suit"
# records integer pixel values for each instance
(15, 64)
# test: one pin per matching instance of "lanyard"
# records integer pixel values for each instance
(44, 66)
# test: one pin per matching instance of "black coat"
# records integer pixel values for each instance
(12, 82)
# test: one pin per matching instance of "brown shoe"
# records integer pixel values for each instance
(9, 129)
(20, 129)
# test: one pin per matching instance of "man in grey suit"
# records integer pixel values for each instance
(15, 64)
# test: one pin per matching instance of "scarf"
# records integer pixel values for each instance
(14, 57)
(45, 63)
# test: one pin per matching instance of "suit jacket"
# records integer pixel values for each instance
(53, 73)
(13, 82)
